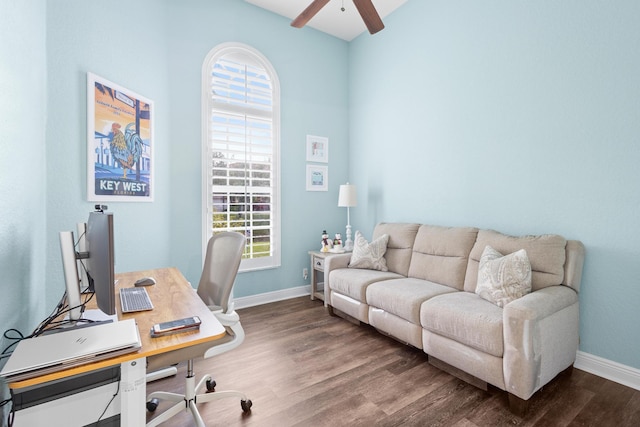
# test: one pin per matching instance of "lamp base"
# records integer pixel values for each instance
(348, 243)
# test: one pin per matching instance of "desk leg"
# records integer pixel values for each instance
(133, 389)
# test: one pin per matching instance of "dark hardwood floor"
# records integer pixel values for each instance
(302, 367)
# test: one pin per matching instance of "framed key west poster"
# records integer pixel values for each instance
(119, 143)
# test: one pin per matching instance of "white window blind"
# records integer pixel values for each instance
(242, 154)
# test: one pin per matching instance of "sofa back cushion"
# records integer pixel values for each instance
(546, 254)
(441, 254)
(399, 246)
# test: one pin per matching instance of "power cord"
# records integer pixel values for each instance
(48, 324)
(110, 401)
(10, 415)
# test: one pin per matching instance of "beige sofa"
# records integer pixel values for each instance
(427, 299)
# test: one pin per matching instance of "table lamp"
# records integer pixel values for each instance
(346, 199)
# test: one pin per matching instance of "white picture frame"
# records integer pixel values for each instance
(118, 116)
(317, 149)
(317, 178)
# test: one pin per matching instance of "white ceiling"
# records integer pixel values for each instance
(346, 25)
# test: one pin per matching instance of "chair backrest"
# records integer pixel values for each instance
(224, 253)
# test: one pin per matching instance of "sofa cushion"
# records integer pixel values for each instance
(440, 254)
(369, 255)
(466, 318)
(546, 254)
(503, 278)
(399, 247)
(403, 297)
(353, 282)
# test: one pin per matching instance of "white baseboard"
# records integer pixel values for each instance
(599, 366)
(608, 369)
(284, 294)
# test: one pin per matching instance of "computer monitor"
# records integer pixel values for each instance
(70, 268)
(96, 237)
(101, 261)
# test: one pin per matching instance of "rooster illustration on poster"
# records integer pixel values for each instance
(120, 146)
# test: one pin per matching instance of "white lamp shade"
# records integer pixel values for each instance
(347, 197)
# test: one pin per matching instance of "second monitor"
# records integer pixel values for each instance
(98, 261)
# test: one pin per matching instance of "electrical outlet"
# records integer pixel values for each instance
(305, 273)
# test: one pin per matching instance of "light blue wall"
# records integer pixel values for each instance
(156, 49)
(22, 165)
(312, 69)
(124, 42)
(519, 116)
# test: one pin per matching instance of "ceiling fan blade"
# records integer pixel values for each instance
(308, 13)
(369, 15)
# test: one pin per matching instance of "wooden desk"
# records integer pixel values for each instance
(173, 298)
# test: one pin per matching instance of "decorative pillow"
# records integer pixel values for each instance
(502, 279)
(369, 255)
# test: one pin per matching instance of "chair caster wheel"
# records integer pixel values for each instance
(152, 405)
(211, 385)
(246, 405)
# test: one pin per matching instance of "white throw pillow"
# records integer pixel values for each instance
(502, 279)
(369, 255)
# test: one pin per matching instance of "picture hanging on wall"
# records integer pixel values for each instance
(317, 178)
(317, 149)
(119, 143)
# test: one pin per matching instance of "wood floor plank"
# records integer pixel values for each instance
(631, 412)
(302, 367)
(607, 407)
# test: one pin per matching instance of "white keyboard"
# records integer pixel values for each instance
(135, 299)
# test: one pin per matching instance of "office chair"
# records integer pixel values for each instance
(224, 252)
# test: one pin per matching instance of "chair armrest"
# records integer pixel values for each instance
(540, 338)
(331, 263)
(227, 319)
(233, 338)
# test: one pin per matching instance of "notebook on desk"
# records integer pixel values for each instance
(50, 353)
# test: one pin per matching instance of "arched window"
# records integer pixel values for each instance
(241, 151)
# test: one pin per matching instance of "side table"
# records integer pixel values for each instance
(317, 273)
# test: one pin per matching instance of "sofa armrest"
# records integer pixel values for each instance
(540, 338)
(573, 264)
(331, 263)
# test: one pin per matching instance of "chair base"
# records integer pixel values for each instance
(191, 398)
(161, 373)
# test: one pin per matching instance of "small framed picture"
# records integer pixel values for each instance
(317, 149)
(317, 178)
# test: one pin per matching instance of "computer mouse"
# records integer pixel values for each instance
(145, 281)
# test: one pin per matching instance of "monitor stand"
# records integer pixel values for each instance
(97, 315)
(91, 317)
